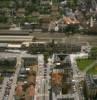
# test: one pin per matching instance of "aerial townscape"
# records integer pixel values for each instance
(48, 49)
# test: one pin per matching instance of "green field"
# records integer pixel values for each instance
(83, 63)
(93, 70)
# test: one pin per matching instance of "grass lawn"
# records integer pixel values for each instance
(93, 70)
(83, 63)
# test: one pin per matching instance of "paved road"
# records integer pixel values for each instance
(42, 80)
(16, 38)
(18, 67)
(14, 32)
(76, 76)
(3, 88)
(8, 55)
(39, 79)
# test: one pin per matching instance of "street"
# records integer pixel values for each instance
(42, 80)
(3, 88)
(76, 77)
(18, 67)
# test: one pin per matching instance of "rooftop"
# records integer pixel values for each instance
(90, 81)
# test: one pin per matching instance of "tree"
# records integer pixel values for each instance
(3, 19)
(72, 3)
(6, 63)
(93, 53)
(46, 55)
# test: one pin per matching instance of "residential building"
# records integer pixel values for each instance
(61, 77)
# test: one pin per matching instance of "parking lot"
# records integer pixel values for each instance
(5, 88)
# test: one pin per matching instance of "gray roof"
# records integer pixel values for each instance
(90, 81)
(3, 44)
